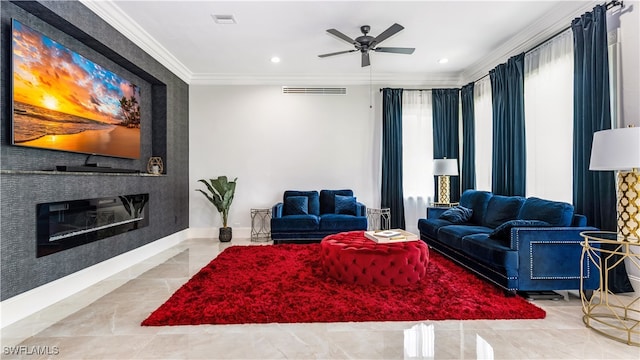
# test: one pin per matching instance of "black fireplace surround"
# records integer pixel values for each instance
(67, 224)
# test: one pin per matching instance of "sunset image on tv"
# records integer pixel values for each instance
(64, 101)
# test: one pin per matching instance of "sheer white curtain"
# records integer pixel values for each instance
(483, 111)
(614, 77)
(417, 155)
(548, 105)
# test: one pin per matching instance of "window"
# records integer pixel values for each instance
(548, 105)
(484, 132)
(417, 155)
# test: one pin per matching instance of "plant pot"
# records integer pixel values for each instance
(225, 234)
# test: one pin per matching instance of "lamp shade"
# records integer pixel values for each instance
(445, 167)
(616, 149)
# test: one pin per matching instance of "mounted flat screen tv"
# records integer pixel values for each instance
(63, 101)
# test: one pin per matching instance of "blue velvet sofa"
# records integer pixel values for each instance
(306, 216)
(518, 244)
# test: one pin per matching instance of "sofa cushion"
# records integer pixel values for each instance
(452, 234)
(340, 222)
(296, 205)
(491, 252)
(328, 198)
(477, 201)
(555, 213)
(345, 205)
(503, 232)
(314, 201)
(457, 215)
(501, 209)
(429, 227)
(295, 223)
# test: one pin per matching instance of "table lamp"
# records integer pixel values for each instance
(444, 168)
(619, 150)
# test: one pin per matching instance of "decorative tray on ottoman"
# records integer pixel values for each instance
(390, 236)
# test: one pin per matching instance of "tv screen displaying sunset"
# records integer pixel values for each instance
(63, 101)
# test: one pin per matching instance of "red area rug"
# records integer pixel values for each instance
(286, 284)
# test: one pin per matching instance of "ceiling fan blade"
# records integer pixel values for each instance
(365, 59)
(341, 36)
(392, 30)
(395, 50)
(336, 53)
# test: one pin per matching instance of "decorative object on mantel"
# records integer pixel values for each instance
(155, 165)
(221, 192)
(619, 150)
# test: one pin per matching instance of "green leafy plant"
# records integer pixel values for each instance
(221, 192)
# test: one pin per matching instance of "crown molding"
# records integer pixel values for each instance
(391, 79)
(120, 21)
(114, 16)
(556, 19)
(553, 21)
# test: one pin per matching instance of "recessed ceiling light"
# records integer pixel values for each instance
(275, 59)
(223, 19)
(443, 61)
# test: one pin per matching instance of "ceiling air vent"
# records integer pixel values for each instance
(223, 19)
(314, 90)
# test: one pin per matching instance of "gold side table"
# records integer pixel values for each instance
(616, 316)
(378, 219)
(260, 225)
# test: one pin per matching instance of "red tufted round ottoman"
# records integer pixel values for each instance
(352, 258)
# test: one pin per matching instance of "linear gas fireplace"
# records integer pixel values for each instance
(67, 224)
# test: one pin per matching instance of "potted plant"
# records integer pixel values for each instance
(220, 194)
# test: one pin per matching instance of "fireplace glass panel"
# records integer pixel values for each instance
(66, 224)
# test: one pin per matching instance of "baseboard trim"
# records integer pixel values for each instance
(32, 301)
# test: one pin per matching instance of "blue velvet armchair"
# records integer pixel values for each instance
(306, 216)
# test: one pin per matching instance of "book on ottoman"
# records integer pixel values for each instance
(390, 236)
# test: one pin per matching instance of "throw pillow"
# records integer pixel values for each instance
(457, 215)
(503, 232)
(296, 205)
(345, 205)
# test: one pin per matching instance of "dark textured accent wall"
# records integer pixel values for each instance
(165, 133)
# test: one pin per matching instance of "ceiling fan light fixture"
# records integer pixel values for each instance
(366, 43)
(275, 59)
(224, 19)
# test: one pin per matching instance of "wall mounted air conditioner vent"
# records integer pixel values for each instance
(314, 90)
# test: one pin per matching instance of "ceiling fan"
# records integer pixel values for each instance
(366, 43)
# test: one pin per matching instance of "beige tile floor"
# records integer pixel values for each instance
(103, 322)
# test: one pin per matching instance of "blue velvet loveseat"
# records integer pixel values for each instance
(306, 216)
(518, 244)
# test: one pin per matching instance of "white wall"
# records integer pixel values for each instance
(630, 82)
(630, 62)
(273, 142)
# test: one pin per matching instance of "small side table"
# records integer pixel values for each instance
(616, 316)
(378, 219)
(260, 225)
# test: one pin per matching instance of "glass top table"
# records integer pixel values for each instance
(616, 316)
(602, 235)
